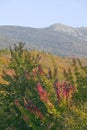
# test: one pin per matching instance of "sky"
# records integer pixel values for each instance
(43, 13)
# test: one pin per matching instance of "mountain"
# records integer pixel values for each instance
(58, 39)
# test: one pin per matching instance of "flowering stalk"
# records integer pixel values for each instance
(64, 91)
(40, 70)
(44, 97)
(32, 108)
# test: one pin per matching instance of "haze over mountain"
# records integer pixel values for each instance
(58, 39)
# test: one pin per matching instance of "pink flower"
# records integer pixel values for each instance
(56, 84)
(32, 108)
(42, 92)
(63, 90)
(39, 87)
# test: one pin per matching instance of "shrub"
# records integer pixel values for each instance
(36, 100)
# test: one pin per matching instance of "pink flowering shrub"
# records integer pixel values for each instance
(64, 92)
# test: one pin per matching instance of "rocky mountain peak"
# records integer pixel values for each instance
(62, 27)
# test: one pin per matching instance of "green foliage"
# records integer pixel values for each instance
(22, 62)
(33, 99)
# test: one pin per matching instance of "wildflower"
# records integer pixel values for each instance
(40, 69)
(32, 108)
(44, 98)
(42, 92)
(63, 90)
(56, 84)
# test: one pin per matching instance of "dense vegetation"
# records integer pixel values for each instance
(42, 95)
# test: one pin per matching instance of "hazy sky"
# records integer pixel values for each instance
(42, 13)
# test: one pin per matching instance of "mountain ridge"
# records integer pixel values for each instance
(58, 39)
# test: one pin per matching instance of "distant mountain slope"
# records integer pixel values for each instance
(57, 38)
